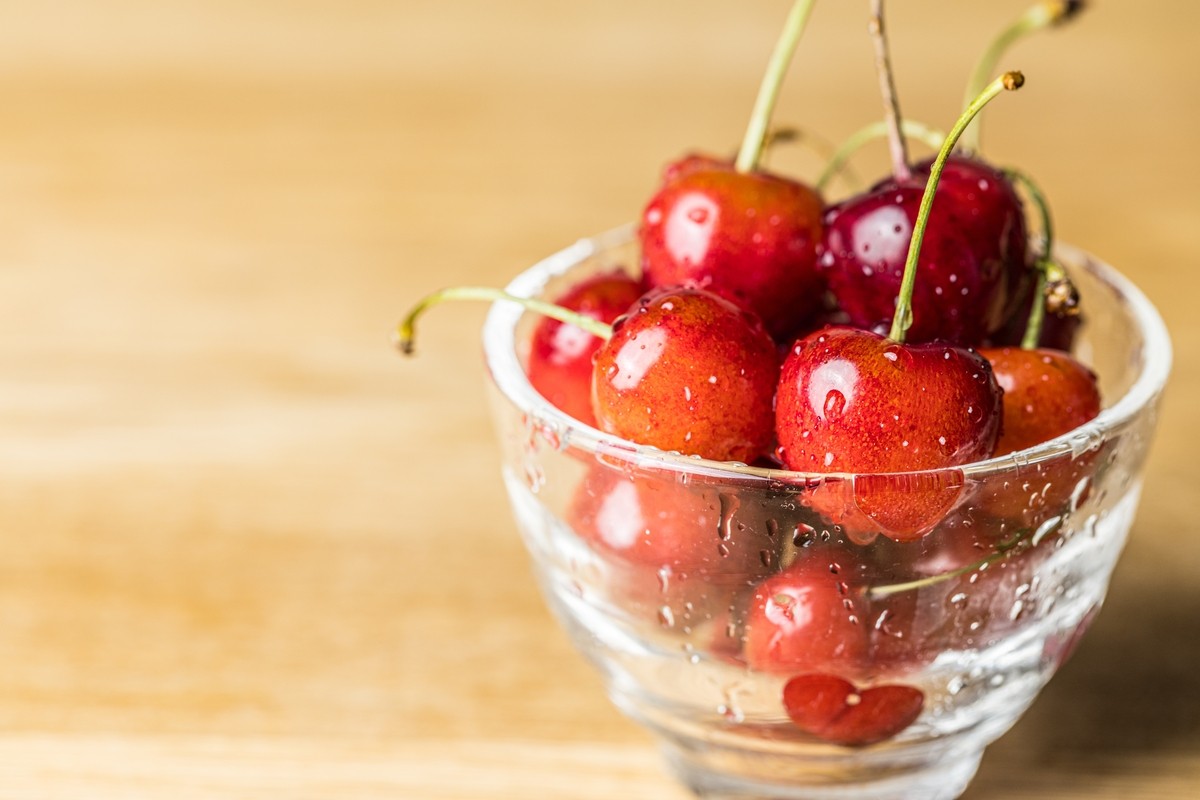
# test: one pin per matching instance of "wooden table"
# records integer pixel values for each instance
(250, 553)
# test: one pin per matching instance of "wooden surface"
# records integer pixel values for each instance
(250, 553)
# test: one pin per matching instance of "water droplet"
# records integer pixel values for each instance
(698, 215)
(803, 536)
(835, 404)
(666, 617)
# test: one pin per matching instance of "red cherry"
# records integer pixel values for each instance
(1046, 394)
(836, 711)
(852, 401)
(560, 357)
(969, 267)
(688, 371)
(687, 529)
(810, 617)
(750, 237)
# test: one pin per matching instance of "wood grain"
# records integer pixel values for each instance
(250, 553)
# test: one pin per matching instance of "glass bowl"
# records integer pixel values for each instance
(777, 655)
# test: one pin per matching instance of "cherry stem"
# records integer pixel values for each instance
(902, 321)
(1038, 16)
(1006, 549)
(887, 89)
(768, 90)
(406, 331)
(1037, 313)
(876, 130)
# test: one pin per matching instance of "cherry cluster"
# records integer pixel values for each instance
(909, 328)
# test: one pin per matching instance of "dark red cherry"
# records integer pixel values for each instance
(852, 401)
(986, 204)
(750, 237)
(560, 357)
(689, 371)
(1059, 326)
(961, 289)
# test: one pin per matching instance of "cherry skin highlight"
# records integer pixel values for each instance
(560, 357)
(750, 237)
(689, 371)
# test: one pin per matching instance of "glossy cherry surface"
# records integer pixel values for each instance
(851, 401)
(689, 371)
(811, 617)
(560, 356)
(835, 710)
(1046, 394)
(972, 259)
(750, 237)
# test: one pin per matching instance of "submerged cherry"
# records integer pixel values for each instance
(560, 354)
(689, 371)
(835, 710)
(735, 230)
(811, 617)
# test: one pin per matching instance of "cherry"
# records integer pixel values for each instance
(560, 356)
(852, 401)
(740, 232)
(835, 710)
(811, 616)
(1046, 394)
(973, 253)
(689, 371)
(673, 551)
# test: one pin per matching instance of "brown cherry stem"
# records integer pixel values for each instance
(1044, 14)
(768, 91)
(406, 331)
(887, 88)
(902, 321)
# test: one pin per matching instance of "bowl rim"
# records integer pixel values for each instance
(504, 365)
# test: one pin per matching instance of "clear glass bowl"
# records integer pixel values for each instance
(700, 589)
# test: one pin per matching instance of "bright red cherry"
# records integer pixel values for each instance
(735, 230)
(560, 357)
(852, 401)
(835, 710)
(687, 529)
(811, 617)
(688, 371)
(749, 237)
(1046, 394)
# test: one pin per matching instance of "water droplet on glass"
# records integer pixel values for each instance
(666, 617)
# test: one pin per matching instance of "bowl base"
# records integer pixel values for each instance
(724, 775)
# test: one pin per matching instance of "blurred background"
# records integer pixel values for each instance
(251, 552)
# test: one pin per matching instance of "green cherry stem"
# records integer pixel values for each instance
(887, 89)
(406, 331)
(768, 90)
(836, 164)
(902, 321)
(1041, 15)
(1037, 314)
(1027, 537)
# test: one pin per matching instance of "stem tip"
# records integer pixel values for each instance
(1013, 80)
